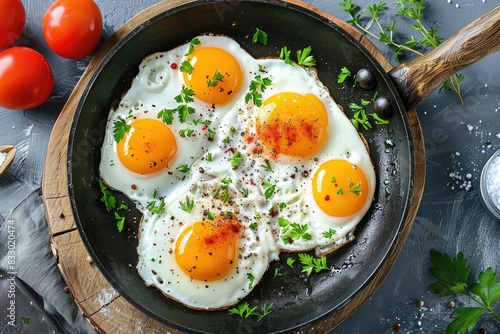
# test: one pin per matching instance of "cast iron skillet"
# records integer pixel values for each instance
(297, 300)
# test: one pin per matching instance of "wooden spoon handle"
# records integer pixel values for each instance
(419, 77)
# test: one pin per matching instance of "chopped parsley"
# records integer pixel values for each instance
(158, 209)
(107, 197)
(260, 36)
(236, 159)
(217, 77)
(285, 55)
(256, 85)
(269, 189)
(329, 234)
(310, 263)
(251, 279)
(120, 221)
(183, 109)
(305, 58)
(187, 205)
(344, 74)
(186, 67)
(244, 310)
(293, 231)
(120, 128)
(183, 168)
(195, 41)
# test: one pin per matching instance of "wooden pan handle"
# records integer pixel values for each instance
(419, 77)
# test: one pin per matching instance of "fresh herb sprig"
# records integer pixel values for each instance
(362, 118)
(310, 263)
(183, 109)
(257, 86)
(260, 36)
(120, 128)
(109, 201)
(453, 279)
(293, 231)
(412, 9)
(304, 56)
(244, 310)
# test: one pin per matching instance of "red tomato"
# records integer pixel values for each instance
(72, 28)
(12, 20)
(26, 79)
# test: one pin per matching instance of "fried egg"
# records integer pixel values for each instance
(269, 164)
(210, 257)
(146, 159)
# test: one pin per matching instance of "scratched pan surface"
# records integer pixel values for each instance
(297, 300)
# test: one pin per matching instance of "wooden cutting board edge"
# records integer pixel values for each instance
(105, 309)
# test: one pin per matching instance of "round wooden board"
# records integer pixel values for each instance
(105, 309)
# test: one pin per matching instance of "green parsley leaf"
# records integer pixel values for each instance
(277, 272)
(166, 115)
(309, 263)
(295, 231)
(251, 278)
(290, 262)
(285, 55)
(120, 128)
(188, 205)
(122, 207)
(120, 221)
(210, 215)
(183, 168)
(344, 74)
(209, 156)
(452, 278)
(269, 189)
(452, 275)
(107, 197)
(244, 310)
(256, 85)
(195, 41)
(236, 159)
(217, 77)
(186, 67)
(158, 209)
(329, 234)
(259, 37)
(305, 58)
(25, 320)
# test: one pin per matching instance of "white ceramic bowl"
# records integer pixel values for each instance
(486, 194)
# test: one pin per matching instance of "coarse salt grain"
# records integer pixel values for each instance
(2, 157)
(493, 182)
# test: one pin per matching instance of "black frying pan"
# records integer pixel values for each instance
(297, 300)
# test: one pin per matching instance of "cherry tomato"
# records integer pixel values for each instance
(26, 79)
(12, 20)
(72, 28)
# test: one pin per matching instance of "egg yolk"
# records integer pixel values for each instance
(207, 250)
(147, 147)
(292, 124)
(340, 188)
(216, 75)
